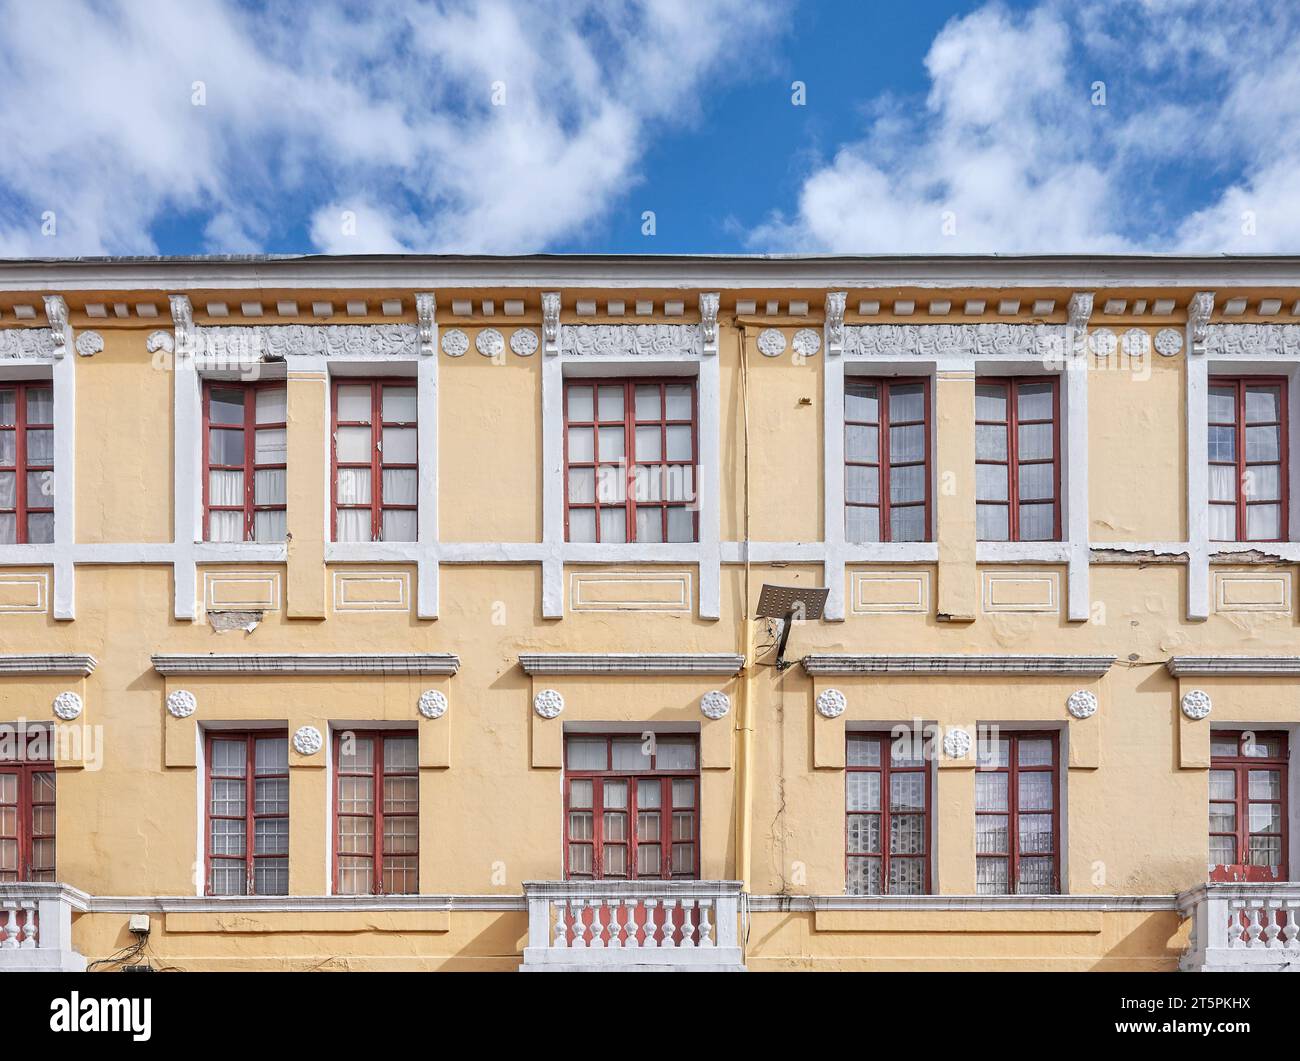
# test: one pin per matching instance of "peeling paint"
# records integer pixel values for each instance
(224, 622)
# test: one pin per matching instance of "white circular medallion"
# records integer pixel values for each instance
(771, 342)
(307, 740)
(88, 344)
(489, 343)
(1168, 342)
(1196, 704)
(548, 703)
(1082, 704)
(433, 704)
(454, 343)
(181, 703)
(523, 341)
(831, 703)
(1102, 342)
(806, 342)
(1137, 343)
(715, 704)
(67, 706)
(956, 743)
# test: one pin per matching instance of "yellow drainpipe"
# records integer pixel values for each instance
(744, 708)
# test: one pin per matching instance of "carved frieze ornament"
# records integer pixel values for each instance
(709, 302)
(1199, 311)
(834, 327)
(550, 322)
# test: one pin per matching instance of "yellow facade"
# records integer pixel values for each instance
(950, 634)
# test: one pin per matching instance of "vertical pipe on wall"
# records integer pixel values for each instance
(744, 709)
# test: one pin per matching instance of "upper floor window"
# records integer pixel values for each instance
(632, 807)
(1248, 465)
(376, 813)
(887, 461)
(1248, 806)
(630, 457)
(26, 463)
(248, 813)
(376, 466)
(1017, 459)
(27, 808)
(1017, 820)
(244, 453)
(887, 802)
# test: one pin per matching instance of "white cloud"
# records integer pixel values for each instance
(384, 109)
(1008, 154)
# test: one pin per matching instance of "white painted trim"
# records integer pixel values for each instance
(873, 663)
(79, 664)
(187, 492)
(1198, 479)
(1074, 463)
(427, 579)
(709, 488)
(255, 663)
(552, 484)
(833, 515)
(963, 903)
(726, 664)
(65, 484)
(1236, 666)
(1025, 552)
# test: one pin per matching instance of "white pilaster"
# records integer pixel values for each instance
(833, 455)
(1198, 487)
(552, 461)
(710, 488)
(427, 575)
(187, 426)
(64, 374)
(1079, 603)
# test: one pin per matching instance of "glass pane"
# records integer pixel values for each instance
(1223, 850)
(614, 796)
(990, 833)
(907, 443)
(683, 792)
(1263, 522)
(226, 796)
(906, 402)
(354, 525)
(356, 836)
(907, 876)
(226, 405)
(580, 860)
(1034, 752)
(681, 524)
(272, 405)
(990, 442)
(354, 488)
(1223, 784)
(352, 445)
(991, 482)
(679, 482)
(631, 753)
(401, 795)
(993, 753)
(271, 836)
(861, 484)
(907, 484)
(864, 834)
(228, 877)
(40, 528)
(400, 405)
(268, 486)
(1037, 523)
(649, 444)
(611, 403)
(678, 401)
(907, 791)
(1265, 817)
(401, 835)
(991, 402)
(862, 524)
(225, 526)
(40, 447)
(581, 788)
(226, 447)
(861, 443)
(271, 755)
(398, 525)
(354, 403)
(228, 836)
(40, 489)
(864, 751)
(649, 857)
(992, 523)
(582, 525)
(613, 524)
(8, 408)
(1223, 443)
(648, 406)
(1223, 522)
(582, 485)
(650, 524)
(357, 754)
(861, 403)
(1034, 401)
(228, 758)
(1266, 851)
(399, 445)
(356, 876)
(1264, 784)
(271, 876)
(612, 443)
(1263, 443)
(1036, 441)
(1223, 817)
(401, 754)
(675, 753)
(1037, 481)
(611, 483)
(1224, 744)
(1223, 482)
(907, 524)
(401, 486)
(271, 795)
(907, 834)
(1263, 405)
(649, 794)
(1035, 877)
(1261, 483)
(1223, 405)
(862, 791)
(580, 404)
(863, 876)
(615, 860)
(581, 825)
(8, 449)
(990, 791)
(680, 445)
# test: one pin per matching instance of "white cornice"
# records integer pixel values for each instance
(1073, 666)
(293, 904)
(32, 665)
(306, 663)
(631, 663)
(1244, 666)
(673, 272)
(961, 903)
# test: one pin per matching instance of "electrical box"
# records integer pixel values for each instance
(139, 924)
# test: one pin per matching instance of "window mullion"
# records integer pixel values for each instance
(20, 479)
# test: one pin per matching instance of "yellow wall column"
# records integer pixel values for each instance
(308, 427)
(954, 439)
(954, 864)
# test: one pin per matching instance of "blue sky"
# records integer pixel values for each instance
(514, 126)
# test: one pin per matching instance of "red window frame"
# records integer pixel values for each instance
(249, 467)
(1013, 462)
(1240, 765)
(886, 769)
(667, 809)
(251, 816)
(629, 462)
(376, 464)
(1012, 855)
(24, 834)
(883, 461)
(21, 468)
(1241, 466)
(379, 775)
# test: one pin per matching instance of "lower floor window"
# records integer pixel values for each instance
(1017, 820)
(248, 813)
(1248, 806)
(887, 807)
(377, 813)
(632, 807)
(27, 812)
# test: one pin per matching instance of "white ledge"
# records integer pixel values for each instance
(976, 903)
(1075, 666)
(307, 663)
(77, 663)
(1245, 666)
(722, 663)
(293, 904)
